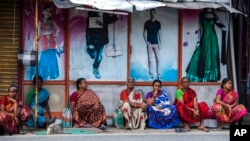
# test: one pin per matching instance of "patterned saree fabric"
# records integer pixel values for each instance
(88, 110)
(222, 113)
(43, 95)
(162, 115)
(9, 122)
(184, 112)
(135, 117)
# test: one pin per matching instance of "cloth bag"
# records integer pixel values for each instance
(67, 120)
(113, 50)
(27, 58)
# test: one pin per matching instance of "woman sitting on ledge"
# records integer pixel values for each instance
(13, 114)
(226, 108)
(161, 114)
(43, 103)
(189, 110)
(133, 106)
(86, 107)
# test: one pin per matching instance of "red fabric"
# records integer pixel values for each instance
(4, 101)
(9, 123)
(137, 96)
(73, 97)
(47, 40)
(188, 101)
(124, 95)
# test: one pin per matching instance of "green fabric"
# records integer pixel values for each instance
(30, 95)
(179, 94)
(78, 131)
(40, 133)
(68, 131)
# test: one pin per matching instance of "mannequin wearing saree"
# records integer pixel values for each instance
(189, 109)
(204, 65)
(161, 114)
(87, 110)
(43, 103)
(133, 106)
(226, 108)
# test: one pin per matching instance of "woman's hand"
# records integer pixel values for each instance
(159, 107)
(196, 113)
(11, 100)
(230, 109)
(155, 93)
(144, 106)
(96, 105)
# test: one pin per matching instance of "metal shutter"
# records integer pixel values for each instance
(9, 43)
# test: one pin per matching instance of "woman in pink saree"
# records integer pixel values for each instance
(226, 108)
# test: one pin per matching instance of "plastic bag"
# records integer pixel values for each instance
(67, 120)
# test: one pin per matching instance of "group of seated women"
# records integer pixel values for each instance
(156, 111)
(153, 110)
(14, 114)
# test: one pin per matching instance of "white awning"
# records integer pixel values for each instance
(147, 4)
(64, 4)
(106, 4)
(140, 5)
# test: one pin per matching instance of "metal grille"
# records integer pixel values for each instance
(9, 43)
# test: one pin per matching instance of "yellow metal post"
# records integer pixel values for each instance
(36, 46)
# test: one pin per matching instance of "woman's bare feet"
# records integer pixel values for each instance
(186, 127)
(202, 128)
(219, 126)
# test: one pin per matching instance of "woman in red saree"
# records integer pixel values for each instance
(189, 110)
(226, 108)
(86, 107)
(13, 114)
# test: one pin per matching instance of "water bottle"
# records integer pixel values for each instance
(120, 122)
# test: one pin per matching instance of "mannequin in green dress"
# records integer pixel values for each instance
(204, 65)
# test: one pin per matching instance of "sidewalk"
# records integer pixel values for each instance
(114, 134)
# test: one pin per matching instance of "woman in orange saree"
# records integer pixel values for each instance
(226, 108)
(86, 107)
(189, 110)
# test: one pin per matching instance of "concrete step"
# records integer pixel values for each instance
(114, 134)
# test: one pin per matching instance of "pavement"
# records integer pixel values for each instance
(114, 134)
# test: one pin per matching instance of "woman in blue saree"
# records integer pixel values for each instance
(43, 99)
(161, 114)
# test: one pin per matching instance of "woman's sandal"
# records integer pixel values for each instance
(180, 130)
(219, 129)
(88, 126)
(187, 128)
(103, 127)
(203, 129)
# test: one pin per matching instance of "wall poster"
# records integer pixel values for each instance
(98, 45)
(204, 47)
(51, 25)
(154, 41)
